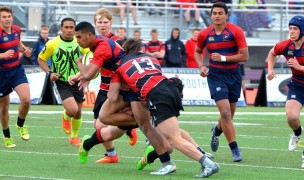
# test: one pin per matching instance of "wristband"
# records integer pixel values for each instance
(223, 59)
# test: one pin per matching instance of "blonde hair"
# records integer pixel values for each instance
(103, 12)
(44, 27)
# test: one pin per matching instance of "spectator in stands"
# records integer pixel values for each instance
(137, 35)
(205, 14)
(25, 58)
(155, 47)
(39, 45)
(175, 53)
(190, 47)
(249, 19)
(123, 8)
(151, 9)
(190, 10)
(121, 33)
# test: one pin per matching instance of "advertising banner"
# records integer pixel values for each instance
(277, 88)
(37, 82)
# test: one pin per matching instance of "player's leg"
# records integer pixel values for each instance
(22, 88)
(189, 138)
(293, 110)
(109, 114)
(4, 117)
(142, 117)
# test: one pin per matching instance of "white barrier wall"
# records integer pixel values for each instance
(196, 91)
(277, 88)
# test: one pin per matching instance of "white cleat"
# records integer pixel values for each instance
(170, 168)
(293, 142)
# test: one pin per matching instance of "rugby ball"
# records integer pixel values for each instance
(86, 59)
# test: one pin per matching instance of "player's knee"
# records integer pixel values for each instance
(226, 115)
(25, 101)
(291, 117)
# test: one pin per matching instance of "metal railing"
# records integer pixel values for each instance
(172, 15)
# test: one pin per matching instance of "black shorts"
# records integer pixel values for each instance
(100, 99)
(164, 101)
(129, 96)
(66, 91)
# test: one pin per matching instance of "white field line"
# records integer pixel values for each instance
(128, 157)
(192, 113)
(27, 177)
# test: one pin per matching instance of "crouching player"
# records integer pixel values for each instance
(144, 76)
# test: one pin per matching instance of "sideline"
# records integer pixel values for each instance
(191, 113)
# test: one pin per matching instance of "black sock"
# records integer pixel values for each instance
(164, 157)
(6, 133)
(298, 131)
(233, 145)
(152, 156)
(89, 143)
(217, 132)
(20, 122)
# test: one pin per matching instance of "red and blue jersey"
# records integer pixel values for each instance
(288, 49)
(8, 42)
(227, 43)
(155, 46)
(106, 55)
(140, 71)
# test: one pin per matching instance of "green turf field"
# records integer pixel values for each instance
(262, 135)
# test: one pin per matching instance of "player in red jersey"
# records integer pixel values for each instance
(103, 22)
(293, 50)
(142, 73)
(12, 76)
(85, 34)
(226, 44)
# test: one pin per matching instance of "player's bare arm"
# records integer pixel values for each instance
(242, 56)
(113, 92)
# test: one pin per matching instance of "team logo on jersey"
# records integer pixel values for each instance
(211, 38)
(226, 37)
(218, 89)
(16, 36)
(290, 53)
(5, 38)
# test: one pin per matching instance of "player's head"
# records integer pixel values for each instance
(220, 5)
(219, 14)
(67, 28)
(297, 21)
(85, 34)
(103, 21)
(179, 84)
(6, 17)
(137, 34)
(132, 46)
